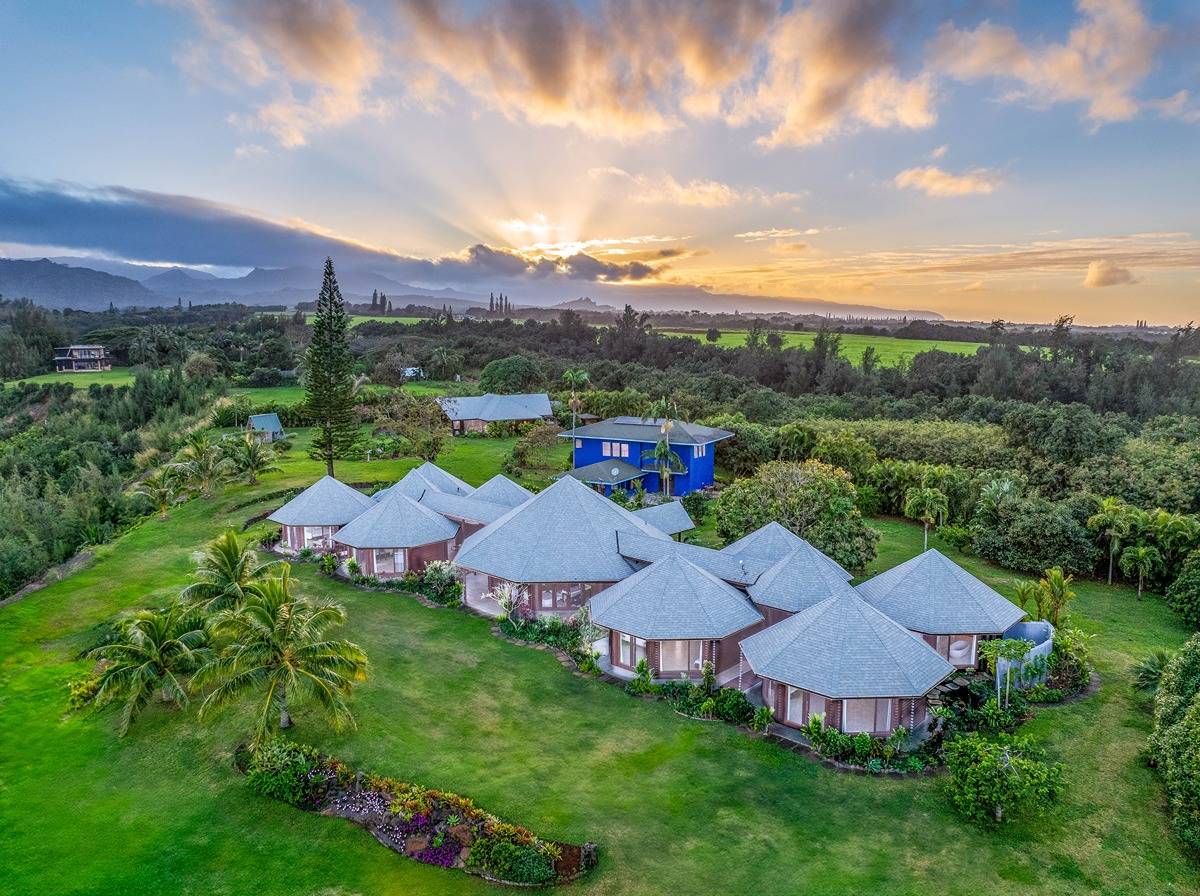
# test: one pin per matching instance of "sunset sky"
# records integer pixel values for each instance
(979, 159)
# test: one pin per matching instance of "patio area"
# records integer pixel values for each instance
(475, 596)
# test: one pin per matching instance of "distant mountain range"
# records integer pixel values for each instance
(88, 284)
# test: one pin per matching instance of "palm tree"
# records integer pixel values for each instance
(154, 652)
(1111, 519)
(927, 505)
(161, 489)
(575, 379)
(226, 574)
(202, 465)
(1176, 534)
(251, 458)
(1140, 560)
(1056, 589)
(666, 462)
(1028, 596)
(278, 651)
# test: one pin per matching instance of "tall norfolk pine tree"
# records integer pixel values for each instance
(329, 381)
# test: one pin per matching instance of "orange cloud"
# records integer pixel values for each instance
(933, 181)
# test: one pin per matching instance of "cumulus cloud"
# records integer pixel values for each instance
(1101, 63)
(139, 225)
(933, 181)
(666, 190)
(311, 56)
(1103, 272)
(830, 68)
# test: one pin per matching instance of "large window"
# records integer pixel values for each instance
(389, 561)
(797, 713)
(606, 449)
(680, 656)
(958, 649)
(317, 536)
(866, 715)
(631, 650)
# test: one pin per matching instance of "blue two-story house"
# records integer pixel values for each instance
(617, 453)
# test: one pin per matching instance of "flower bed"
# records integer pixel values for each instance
(430, 826)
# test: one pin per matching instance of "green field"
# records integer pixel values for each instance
(356, 319)
(675, 805)
(890, 349)
(289, 394)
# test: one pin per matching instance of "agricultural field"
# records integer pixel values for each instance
(670, 801)
(356, 319)
(890, 349)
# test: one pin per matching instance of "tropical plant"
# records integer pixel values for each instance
(226, 574)
(509, 598)
(1183, 595)
(161, 489)
(1031, 598)
(1010, 650)
(1175, 739)
(666, 462)
(154, 653)
(926, 505)
(250, 458)
(444, 363)
(1056, 592)
(1148, 671)
(201, 465)
(1142, 561)
(278, 651)
(1110, 519)
(576, 380)
(763, 716)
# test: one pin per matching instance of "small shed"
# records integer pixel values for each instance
(266, 427)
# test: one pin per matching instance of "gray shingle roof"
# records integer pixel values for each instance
(668, 517)
(932, 594)
(396, 521)
(265, 422)
(427, 477)
(502, 490)
(529, 406)
(610, 471)
(566, 533)
(773, 541)
(672, 598)
(649, 429)
(467, 507)
(798, 580)
(327, 502)
(637, 546)
(845, 648)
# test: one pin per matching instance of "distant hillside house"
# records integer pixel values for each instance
(473, 413)
(78, 358)
(266, 427)
(616, 453)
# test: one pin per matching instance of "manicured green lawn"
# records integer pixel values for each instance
(294, 392)
(118, 376)
(676, 806)
(890, 349)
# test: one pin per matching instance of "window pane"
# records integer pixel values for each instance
(795, 705)
(606, 449)
(624, 451)
(674, 656)
(385, 561)
(883, 715)
(816, 706)
(639, 649)
(626, 650)
(547, 599)
(859, 715)
(960, 650)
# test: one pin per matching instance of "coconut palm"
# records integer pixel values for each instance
(575, 380)
(154, 653)
(926, 505)
(666, 462)
(1057, 593)
(1141, 561)
(251, 458)
(278, 652)
(1112, 520)
(161, 489)
(201, 464)
(226, 574)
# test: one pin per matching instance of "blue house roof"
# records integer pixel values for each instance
(648, 429)
(265, 423)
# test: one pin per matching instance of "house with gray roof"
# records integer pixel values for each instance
(396, 535)
(265, 427)
(313, 517)
(735, 570)
(502, 490)
(797, 581)
(669, 517)
(473, 413)
(677, 617)
(938, 600)
(772, 541)
(427, 477)
(845, 661)
(606, 454)
(559, 548)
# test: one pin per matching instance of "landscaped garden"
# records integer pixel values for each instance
(672, 803)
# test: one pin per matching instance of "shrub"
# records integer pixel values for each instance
(731, 705)
(640, 683)
(1175, 740)
(81, 692)
(516, 862)
(328, 564)
(697, 504)
(994, 780)
(440, 583)
(352, 568)
(285, 771)
(958, 537)
(263, 377)
(1183, 596)
(1071, 661)
(762, 718)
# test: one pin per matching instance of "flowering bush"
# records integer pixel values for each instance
(440, 583)
(286, 771)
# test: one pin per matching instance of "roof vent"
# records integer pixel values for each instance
(616, 471)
